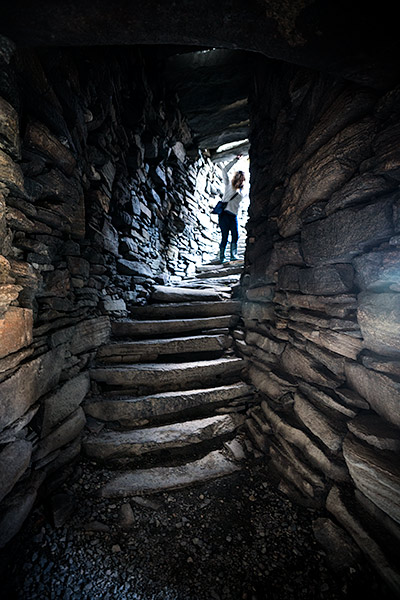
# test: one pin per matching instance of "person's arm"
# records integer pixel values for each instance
(227, 168)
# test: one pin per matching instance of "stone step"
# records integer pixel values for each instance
(186, 309)
(151, 350)
(220, 284)
(161, 377)
(219, 271)
(139, 328)
(216, 265)
(159, 479)
(164, 293)
(131, 411)
(128, 444)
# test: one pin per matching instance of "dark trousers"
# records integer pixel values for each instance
(228, 223)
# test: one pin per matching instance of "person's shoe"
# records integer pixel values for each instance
(234, 255)
(222, 258)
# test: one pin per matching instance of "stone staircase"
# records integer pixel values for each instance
(168, 399)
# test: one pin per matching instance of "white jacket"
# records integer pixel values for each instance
(232, 205)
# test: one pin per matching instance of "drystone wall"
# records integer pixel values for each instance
(98, 200)
(321, 307)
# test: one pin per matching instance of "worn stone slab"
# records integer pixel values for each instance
(14, 460)
(341, 551)
(343, 235)
(5, 266)
(382, 364)
(301, 365)
(376, 474)
(158, 479)
(327, 280)
(269, 383)
(13, 431)
(64, 401)
(256, 435)
(129, 411)
(352, 399)
(284, 252)
(158, 377)
(358, 190)
(335, 341)
(228, 271)
(379, 319)
(186, 309)
(9, 130)
(332, 361)
(28, 384)
(322, 322)
(16, 328)
(340, 305)
(149, 350)
(67, 431)
(257, 311)
(378, 271)
(8, 291)
(323, 173)
(17, 509)
(84, 336)
(386, 158)
(380, 391)
(308, 482)
(379, 517)
(11, 174)
(258, 416)
(264, 343)
(163, 293)
(114, 444)
(376, 432)
(329, 431)
(327, 400)
(160, 327)
(264, 293)
(133, 267)
(38, 136)
(311, 451)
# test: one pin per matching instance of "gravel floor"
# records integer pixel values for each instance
(232, 539)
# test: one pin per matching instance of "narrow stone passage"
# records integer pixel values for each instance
(170, 400)
(160, 421)
(168, 411)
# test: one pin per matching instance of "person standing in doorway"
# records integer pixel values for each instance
(228, 221)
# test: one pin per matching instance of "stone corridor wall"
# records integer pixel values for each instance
(97, 202)
(322, 304)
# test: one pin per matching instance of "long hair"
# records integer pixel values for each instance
(238, 180)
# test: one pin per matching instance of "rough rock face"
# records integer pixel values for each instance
(324, 218)
(102, 195)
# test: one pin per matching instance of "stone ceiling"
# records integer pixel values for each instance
(359, 42)
(207, 45)
(212, 86)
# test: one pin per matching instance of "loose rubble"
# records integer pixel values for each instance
(236, 538)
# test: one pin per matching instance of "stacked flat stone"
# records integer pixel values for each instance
(322, 311)
(98, 200)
